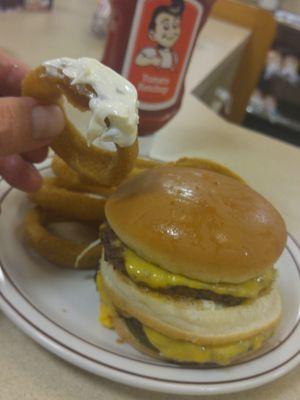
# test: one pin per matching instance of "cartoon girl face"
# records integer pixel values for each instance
(167, 30)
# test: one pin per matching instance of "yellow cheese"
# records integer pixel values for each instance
(155, 277)
(105, 316)
(180, 350)
(106, 312)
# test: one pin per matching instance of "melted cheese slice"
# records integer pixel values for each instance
(106, 311)
(180, 350)
(142, 271)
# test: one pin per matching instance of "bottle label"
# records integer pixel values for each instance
(160, 44)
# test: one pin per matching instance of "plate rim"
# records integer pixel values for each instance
(131, 378)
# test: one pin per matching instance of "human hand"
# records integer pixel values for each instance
(26, 128)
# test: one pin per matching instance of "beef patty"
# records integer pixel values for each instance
(114, 254)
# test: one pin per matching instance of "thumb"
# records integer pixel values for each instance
(26, 125)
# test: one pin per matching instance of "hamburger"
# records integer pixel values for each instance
(187, 272)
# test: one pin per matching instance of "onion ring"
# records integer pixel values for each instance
(67, 204)
(61, 252)
(69, 179)
(94, 164)
(207, 165)
(144, 163)
(147, 163)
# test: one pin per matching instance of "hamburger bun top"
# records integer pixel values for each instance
(197, 223)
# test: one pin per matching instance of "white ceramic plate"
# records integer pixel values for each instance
(59, 309)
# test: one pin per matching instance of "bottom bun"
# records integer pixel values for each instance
(188, 353)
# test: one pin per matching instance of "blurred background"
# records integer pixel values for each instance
(245, 65)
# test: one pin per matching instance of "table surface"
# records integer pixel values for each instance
(28, 371)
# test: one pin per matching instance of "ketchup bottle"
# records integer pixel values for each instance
(150, 42)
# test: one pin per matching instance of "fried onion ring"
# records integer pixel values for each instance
(61, 252)
(92, 163)
(147, 163)
(206, 164)
(69, 179)
(67, 204)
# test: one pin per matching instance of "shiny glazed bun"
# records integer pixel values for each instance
(197, 223)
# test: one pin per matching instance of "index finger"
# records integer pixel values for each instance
(12, 72)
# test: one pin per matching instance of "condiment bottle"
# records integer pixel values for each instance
(150, 42)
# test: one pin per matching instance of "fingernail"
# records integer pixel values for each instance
(47, 122)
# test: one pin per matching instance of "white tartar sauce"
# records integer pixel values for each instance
(115, 98)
